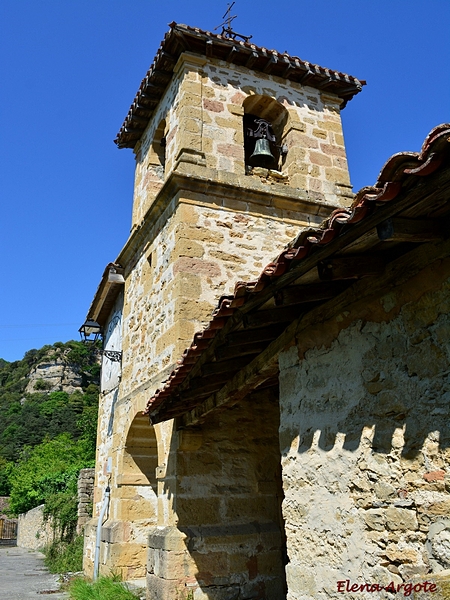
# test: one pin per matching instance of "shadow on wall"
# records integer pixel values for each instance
(376, 387)
(140, 458)
(386, 424)
(227, 498)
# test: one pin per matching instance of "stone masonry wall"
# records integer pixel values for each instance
(227, 539)
(202, 112)
(33, 532)
(85, 497)
(365, 443)
(200, 224)
(201, 253)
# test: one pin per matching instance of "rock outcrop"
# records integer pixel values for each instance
(54, 375)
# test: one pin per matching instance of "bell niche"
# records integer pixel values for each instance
(261, 148)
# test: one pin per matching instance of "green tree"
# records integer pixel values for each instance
(47, 469)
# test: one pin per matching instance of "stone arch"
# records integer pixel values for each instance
(140, 454)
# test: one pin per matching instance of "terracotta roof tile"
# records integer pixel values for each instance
(180, 38)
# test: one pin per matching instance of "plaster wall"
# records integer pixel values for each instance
(365, 443)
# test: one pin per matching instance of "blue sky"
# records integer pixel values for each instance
(69, 72)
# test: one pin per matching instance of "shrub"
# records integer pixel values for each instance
(106, 588)
(63, 557)
(41, 385)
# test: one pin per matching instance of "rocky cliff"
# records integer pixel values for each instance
(55, 374)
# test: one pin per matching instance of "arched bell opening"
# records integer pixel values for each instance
(264, 122)
(157, 153)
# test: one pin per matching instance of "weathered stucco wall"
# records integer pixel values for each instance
(365, 443)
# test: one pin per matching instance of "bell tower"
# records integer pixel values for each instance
(237, 148)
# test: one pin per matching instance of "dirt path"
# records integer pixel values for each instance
(24, 576)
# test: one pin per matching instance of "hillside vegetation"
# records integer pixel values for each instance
(48, 434)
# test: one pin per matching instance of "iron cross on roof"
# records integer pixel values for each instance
(226, 26)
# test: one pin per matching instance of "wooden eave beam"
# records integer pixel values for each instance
(140, 119)
(303, 79)
(165, 56)
(251, 59)
(232, 54)
(225, 351)
(249, 336)
(287, 70)
(270, 64)
(147, 107)
(326, 81)
(151, 89)
(181, 40)
(410, 230)
(350, 267)
(226, 366)
(304, 294)
(137, 132)
(283, 314)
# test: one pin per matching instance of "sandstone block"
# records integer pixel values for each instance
(193, 87)
(332, 125)
(189, 248)
(304, 141)
(198, 511)
(320, 159)
(375, 519)
(213, 105)
(235, 109)
(210, 565)
(320, 133)
(299, 181)
(337, 175)
(128, 555)
(231, 150)
(401, 519)
(196, 266)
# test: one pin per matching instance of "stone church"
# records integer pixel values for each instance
(274, 408)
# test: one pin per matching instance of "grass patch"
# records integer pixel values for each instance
(105, 588)
(65, 557)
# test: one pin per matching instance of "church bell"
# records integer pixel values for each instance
(262, 156)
